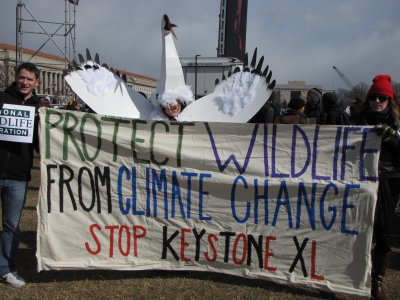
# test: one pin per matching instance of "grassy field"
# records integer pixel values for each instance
(152, 284)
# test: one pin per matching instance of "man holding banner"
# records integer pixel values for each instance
(16, 156)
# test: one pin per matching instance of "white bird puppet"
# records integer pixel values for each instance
(235, 99)
(105, 92)
(172, 93)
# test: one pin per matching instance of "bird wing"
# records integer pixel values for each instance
(105, 92)
(236, 99)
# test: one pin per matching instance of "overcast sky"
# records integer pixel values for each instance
(301, 40)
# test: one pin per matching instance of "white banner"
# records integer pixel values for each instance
(288, 203)
(17, 123)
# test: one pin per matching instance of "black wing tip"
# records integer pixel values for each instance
(259, 66)
(88, 55)
(76, 65)
(271, 86)
(81, 59)
(265, 71)
(269, 76)
(97, 59)
(246, 60)
(254, 59)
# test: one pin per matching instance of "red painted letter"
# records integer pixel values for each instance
(268, 254)
(210, 239)
(97, 251)
(313, 254)
(127, 239)
(183, 244)
(137, 236)
(112, 228)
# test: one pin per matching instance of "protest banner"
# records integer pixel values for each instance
(17, 123)
(288, 203)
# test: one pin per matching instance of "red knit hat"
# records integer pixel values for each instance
(381, 84)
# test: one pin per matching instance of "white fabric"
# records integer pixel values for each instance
(239, 92)
(127, 194)
(170, 96)
(171, 82)
(99, 82)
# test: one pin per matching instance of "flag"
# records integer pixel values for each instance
(73, 2)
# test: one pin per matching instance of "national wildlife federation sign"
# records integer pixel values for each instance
(17, 123)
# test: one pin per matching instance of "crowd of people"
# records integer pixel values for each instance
(72, 104)
(379, 108)
(316, 108)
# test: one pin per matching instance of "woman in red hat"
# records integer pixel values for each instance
(381, 109)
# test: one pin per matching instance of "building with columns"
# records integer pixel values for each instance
(51, 73)
(51, 67)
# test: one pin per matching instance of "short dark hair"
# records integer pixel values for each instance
(29, 67)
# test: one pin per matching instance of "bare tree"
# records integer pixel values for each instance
(396, 89)
(359, 91)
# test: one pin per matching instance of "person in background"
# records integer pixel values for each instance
(313, 109)
(380, 109)
(74, 105)
(333, 115)
(266, 114)
(44, 101)
(15, 166)
(295, 113)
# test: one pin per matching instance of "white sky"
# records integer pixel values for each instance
(301, 40)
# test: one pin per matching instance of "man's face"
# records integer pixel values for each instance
(26, 82)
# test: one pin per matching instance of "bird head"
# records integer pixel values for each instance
(167, 27)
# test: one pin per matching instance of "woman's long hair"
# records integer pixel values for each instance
(363, 108)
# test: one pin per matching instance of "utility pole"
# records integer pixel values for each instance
(195, 76)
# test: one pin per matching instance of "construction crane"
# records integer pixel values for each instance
(344, 78)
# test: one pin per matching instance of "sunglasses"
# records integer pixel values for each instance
(381, 98)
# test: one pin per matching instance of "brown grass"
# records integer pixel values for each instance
(152, 284)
